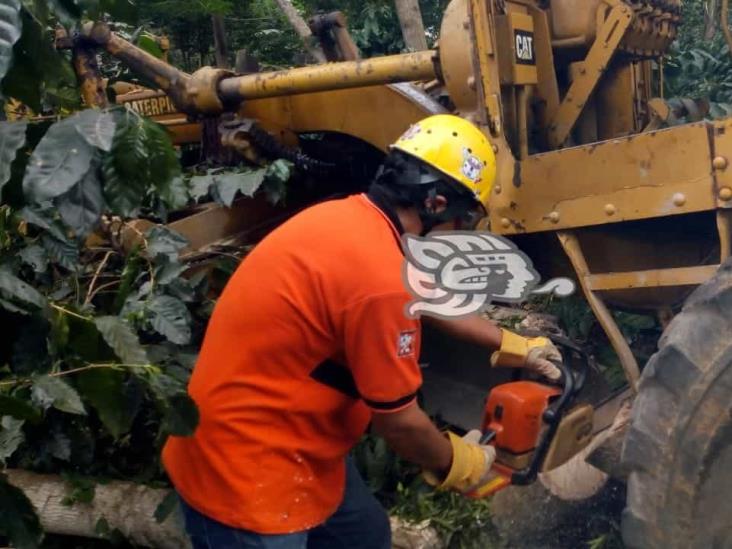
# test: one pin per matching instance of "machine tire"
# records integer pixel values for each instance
(678, 450)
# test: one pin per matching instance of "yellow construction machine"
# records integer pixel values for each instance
(570, 93)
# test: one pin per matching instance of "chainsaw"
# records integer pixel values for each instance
(534, 426)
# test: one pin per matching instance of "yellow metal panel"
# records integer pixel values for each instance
(680, 276)
(654, 174)
(722, 135)
(376, 114)
(608, 39)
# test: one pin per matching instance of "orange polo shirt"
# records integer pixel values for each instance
(308, 339)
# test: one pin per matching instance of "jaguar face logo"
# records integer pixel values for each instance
(452, 274)
(472, 166)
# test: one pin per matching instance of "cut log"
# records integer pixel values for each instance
(125, 506)
(406, 535)
(130, 508)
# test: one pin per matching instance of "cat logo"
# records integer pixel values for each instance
(524, 43)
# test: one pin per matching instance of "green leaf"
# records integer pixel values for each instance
(17, 408)
(96, 127)
(35, 256)
(251, 181)
(66, 10)
(278, 174)
(82, 206)
(50, 391)
(11, 436)
(147, 43)
(181, 415)
(280, 170)
(59, 445)
(12, 138)
(80, 489)
(228, 184)
(120, 10)
(29, 351)
(165, 507)
(142, 158)
(163, 241)
(10, 30)
(37, 66)
(199, 185)
(120, 337)
(62, 252)
(174, 193)
(170, 317)
(15, 290)
(59, 161)
(226, 187)
(167, 272)
(40, 219)
(124, 168)
(116, 401)
(18, 520)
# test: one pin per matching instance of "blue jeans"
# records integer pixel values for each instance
(359, 523)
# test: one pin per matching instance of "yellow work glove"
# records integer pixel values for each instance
(532, 353)
(471, 464)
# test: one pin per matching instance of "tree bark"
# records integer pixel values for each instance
(410, 19)
(125, 506)
(302, 30)
(711, 17)
(221, 47)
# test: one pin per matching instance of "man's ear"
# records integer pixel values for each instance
(436, 204)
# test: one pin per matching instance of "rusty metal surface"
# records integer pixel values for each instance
(332, 76)
(649, 175)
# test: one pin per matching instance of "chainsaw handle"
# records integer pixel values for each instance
(552, 415)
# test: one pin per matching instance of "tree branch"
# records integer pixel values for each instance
(302, 30)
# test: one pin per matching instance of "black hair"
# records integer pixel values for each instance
(404, 181)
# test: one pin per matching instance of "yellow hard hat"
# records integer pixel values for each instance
(455, 147)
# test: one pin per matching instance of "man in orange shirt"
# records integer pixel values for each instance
(309, 344)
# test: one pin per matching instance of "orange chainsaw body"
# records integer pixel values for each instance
(513, 411)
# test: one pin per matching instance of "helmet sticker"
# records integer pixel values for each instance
(472, 166)
(411, 133)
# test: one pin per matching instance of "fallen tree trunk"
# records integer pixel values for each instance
(130, 508)
(125, 506)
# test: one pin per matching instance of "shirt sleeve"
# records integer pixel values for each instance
(382, 351)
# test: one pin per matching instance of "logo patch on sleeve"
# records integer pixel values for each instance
(405, 343)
